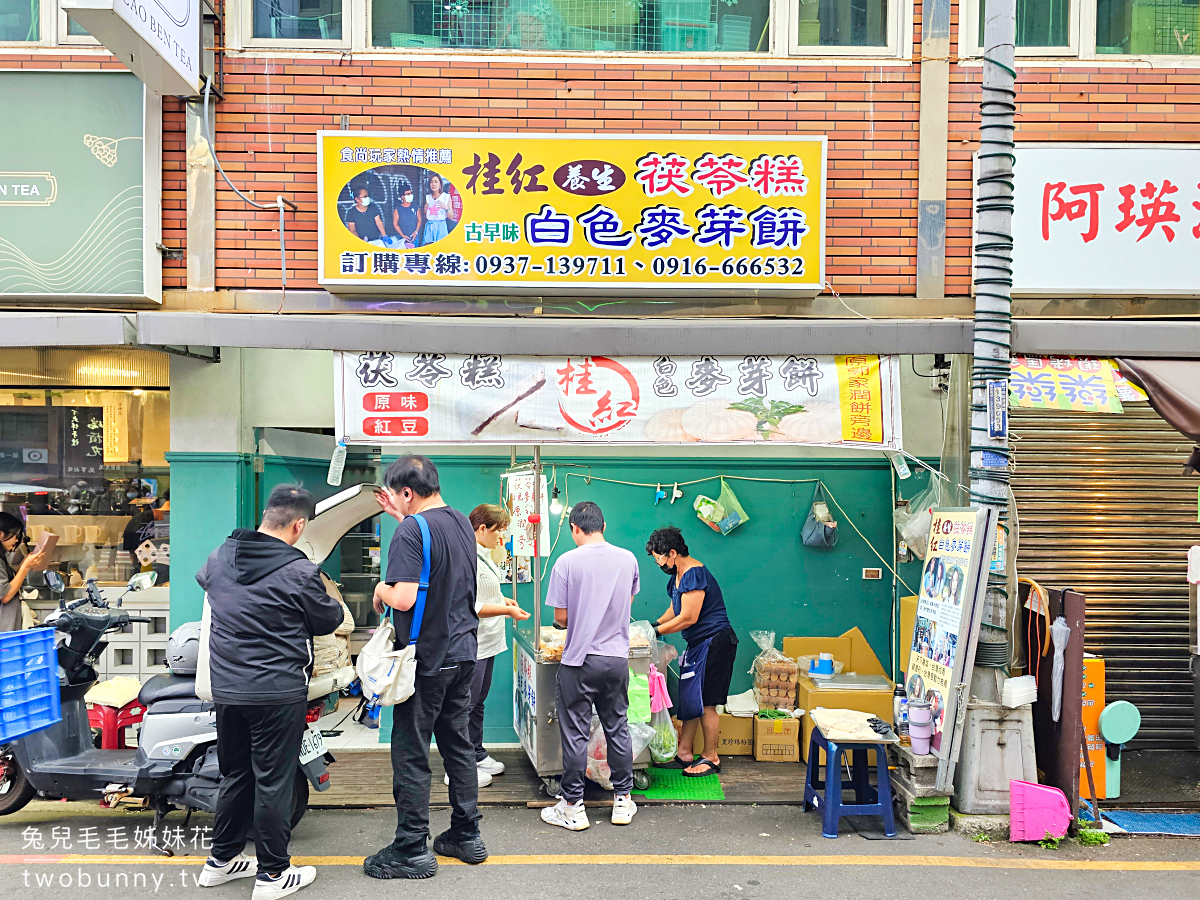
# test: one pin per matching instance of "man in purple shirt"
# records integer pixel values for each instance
(592, 589)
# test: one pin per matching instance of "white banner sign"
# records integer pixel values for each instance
(159, 40)
(521, 530)
(407, 398)
(1106, 221)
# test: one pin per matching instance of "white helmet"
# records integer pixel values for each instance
(183, 649)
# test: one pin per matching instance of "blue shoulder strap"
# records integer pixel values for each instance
(423, 585)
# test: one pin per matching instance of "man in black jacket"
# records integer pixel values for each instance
(266, 603)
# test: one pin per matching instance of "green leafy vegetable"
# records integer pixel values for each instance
(770, 416)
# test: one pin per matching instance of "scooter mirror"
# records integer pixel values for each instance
(142, 580)
(55, 580)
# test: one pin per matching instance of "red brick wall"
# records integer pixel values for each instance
(274, 106)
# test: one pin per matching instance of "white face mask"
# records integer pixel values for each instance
(365, 201)
(408, 198)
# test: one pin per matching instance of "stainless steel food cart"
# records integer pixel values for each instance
(535, 714)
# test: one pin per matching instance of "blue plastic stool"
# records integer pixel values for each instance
(827, 794)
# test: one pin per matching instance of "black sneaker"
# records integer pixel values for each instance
(391, 863)
(471, 850)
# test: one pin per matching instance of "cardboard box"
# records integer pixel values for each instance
(908, 625)
(735, 737)
(777, 740)
(853, 649)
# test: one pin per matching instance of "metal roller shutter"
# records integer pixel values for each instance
(1103, 508)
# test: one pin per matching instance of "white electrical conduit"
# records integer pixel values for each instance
(280, 200)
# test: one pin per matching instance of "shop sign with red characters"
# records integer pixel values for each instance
(1095, 221)
(398, 398)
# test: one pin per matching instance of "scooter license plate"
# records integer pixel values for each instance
(312, 745)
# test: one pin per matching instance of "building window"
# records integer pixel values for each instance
(83, 442)
(1044, 27)
(1040, 23)
(598, 26)
(842, 23)
(20, 21)
(294, 22)
(1147, 27)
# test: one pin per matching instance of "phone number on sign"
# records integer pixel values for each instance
(660, 266)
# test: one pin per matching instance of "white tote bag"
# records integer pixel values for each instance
(389, 676)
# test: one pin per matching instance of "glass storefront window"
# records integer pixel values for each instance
(88, 463)
(1142, 28)
(604, 26)
(304, 20)
(20, 20)
(842, 23)
(1040, 23)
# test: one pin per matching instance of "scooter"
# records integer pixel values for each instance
(175, 763)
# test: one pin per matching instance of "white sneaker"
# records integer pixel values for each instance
(571, 817)
(484, 778)
(241, 866)
(624, 809)
(491, 766)
(286, 882)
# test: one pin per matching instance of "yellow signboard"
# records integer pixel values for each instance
(454, 213)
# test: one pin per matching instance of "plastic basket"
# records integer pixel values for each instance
(29, 698)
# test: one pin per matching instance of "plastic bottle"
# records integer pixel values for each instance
(900, 709)
(337, 464)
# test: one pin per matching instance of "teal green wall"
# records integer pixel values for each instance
(769, 579)
(771, 582)
(211, 494)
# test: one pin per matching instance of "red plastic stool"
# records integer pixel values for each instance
(112, 722)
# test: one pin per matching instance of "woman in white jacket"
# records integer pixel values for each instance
(490, 522)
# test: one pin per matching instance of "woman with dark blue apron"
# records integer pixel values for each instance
(697, 612)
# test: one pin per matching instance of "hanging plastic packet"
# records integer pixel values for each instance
(723, 514)
(1060, 632)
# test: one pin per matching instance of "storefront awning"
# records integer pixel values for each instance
(56, 329)
(545, 336)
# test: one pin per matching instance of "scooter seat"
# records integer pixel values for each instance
(167, 687)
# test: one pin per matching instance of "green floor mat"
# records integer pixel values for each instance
(672, 784)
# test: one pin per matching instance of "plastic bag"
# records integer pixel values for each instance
(641, 634)
(639, 699)
(775, 675)
(597, 757)
(662, 654)
(1060, 632)
(913, 523)
(723, 514)
(640, 736)
(665, 742)
(820, 530)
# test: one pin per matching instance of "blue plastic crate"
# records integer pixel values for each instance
(29, 699)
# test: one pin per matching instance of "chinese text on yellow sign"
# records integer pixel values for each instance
(696, 214)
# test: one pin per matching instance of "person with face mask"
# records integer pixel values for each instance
(15, 563)
(697, 612)
(364, 220)
(406, 218)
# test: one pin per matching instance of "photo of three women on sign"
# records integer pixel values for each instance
(399, 206)
(942, 583)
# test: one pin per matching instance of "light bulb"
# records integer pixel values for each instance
(556, 506)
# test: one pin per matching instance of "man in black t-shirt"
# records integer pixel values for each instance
(446, 652)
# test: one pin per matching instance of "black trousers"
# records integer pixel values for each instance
(480, 685)
(258, 748)
(603, 682)
(440, 707)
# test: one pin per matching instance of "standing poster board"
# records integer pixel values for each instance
(949, 612)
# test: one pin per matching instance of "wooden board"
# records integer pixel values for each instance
(363, 778)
